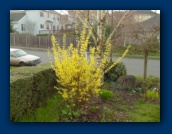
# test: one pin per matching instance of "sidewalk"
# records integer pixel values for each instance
(30, 48)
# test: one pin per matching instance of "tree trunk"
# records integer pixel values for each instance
(145, 64)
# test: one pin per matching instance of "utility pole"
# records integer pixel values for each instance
(111, 37)
(88, 15)
(98, 20)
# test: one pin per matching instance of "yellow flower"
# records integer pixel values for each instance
(81, 78)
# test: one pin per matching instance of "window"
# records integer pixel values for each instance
(48, 26)
(41, 14)
(54, 27)
(42, 26)
(22, 27)
(48, 14)
(19, 53)
(11, 54)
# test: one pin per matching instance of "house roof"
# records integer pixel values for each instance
(48, 21)
(152, 22)
(52, 11)
(16, 16)
(145, 12)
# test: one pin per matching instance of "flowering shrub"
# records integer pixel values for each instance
(80, 78)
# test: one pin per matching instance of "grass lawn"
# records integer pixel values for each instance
(135, 54)
(11, 67)
(115, 106)
(156, 57)
(145, 112)
(48, 113)
(124, 106)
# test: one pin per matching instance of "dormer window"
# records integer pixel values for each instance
(41, 14)
(48, 14)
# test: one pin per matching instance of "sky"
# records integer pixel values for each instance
(65, 12)
(62, 11)
(158, 11)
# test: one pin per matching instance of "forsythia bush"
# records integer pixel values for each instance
(80, 78)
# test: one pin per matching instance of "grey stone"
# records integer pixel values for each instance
(127, 82)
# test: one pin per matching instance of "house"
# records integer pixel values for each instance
(89, 14)
(143, 15)
(67, 22)
(137, 21)
(35, 21)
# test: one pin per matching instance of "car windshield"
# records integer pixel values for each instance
(20, 53)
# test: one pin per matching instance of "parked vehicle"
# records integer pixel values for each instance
(19, 57)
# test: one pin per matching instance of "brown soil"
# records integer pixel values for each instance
(114, 110)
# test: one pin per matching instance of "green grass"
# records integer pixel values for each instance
(26, 71)
(12, 67)
(48, 113)
(145, 112)
(55, 111)
(135, 54)
(156, 57)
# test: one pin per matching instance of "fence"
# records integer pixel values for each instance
(55, 31)
(25, 40)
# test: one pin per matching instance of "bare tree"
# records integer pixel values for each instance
(30, 26)
(99, 36)
(143, 34)
(148, 41)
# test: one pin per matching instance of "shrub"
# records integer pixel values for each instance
(118, 70)
(29, 88)
(152, 94)
(150, 82)
(106, 94)
(81, 78)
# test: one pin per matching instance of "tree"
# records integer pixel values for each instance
(98, 34)
(30, 26)
(148, 42)
(12, 30)
(142, 34)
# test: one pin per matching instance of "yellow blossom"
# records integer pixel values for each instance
(81, 78)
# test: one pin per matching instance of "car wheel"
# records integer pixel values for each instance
(21, 64)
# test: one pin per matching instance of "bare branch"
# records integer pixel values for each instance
(93, 36)
(110, 36)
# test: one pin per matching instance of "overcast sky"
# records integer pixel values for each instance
(65, 12)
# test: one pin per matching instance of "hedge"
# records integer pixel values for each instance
(29, 88)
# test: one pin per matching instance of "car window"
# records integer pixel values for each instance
(12, 54)
(20, 53)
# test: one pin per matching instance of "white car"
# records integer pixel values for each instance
(18, 57)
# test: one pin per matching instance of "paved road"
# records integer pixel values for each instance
(134, 66)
